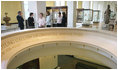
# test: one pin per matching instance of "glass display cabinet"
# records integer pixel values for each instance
(112, 15)
(85, 16)
(96, 16)
(80, 16)
(54, 12)
(88, 15)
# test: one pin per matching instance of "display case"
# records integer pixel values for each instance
(85, 16)
(112, 15)
(96, 16)
(80, 16)
(88, 15)
(55, 10)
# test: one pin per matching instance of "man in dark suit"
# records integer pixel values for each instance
(20, 20)
(64, 20)
(31, 21)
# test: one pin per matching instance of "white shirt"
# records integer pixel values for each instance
(48, 20)
(59, 20)
(41, 22)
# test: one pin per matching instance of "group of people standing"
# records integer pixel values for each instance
(42, 21)
(61, 20)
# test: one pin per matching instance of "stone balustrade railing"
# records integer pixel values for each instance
(17, 41)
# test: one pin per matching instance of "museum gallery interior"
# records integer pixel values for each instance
(58, 34)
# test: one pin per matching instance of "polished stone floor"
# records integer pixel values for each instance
(70, 62)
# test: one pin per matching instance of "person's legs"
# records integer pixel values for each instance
(54, 25)
(59, 25)
(31, 26)
(22, 28)
(48, 25)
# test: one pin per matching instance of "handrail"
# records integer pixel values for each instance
(106, 40)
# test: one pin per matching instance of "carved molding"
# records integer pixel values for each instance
(13, 41)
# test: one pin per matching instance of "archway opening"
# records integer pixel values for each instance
(84, 52)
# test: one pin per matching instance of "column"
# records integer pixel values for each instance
(71, 14)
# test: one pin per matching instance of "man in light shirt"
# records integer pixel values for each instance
(59, 20)
(48, 19)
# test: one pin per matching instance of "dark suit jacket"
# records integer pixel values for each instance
(31, 21)
(20, 21)
(64, 21)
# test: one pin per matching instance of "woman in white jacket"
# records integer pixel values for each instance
(41, 21)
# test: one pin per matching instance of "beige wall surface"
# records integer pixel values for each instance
(48, 62)
(79, 4)
(11, 7)
(50, 3)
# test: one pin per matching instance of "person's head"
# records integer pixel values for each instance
(108, 6)
(31, 14)
(41, 15)
(59, 14)
(47, 13)
(64, 14)
(19, 13)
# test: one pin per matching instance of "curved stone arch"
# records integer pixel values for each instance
(63, 34)
(81, 45)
